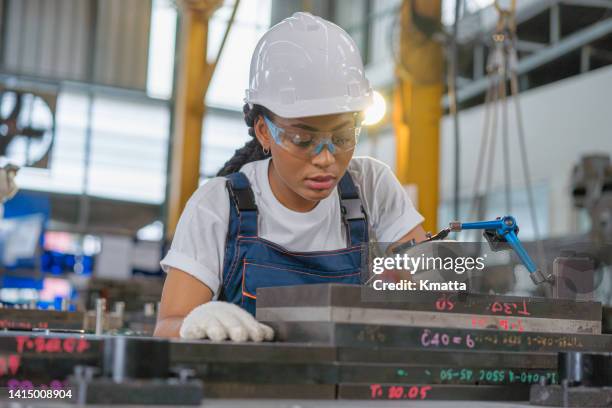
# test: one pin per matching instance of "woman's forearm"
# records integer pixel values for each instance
(168, 327)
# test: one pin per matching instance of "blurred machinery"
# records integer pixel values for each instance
(592, 190)
(27, 126)
(582, 262)
(135, 293)
(133, 304)
(136, 316)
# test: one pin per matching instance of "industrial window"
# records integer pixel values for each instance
(126, 157)
(224, 130)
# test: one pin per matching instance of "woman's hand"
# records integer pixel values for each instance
(182, 293)
(188, 311)
(219, 321)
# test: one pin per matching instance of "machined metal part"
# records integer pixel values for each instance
(271, 391)
(289, 363)
(591, 180)
(360, 335)
(100, 311)
(141, 392)
(588, 369)
(570, 365)
(82, 375)
(136, 358)
(344, 295)
(539, 277)
(43, 358)
(579, 397)
(360, 356)
(574, 277)
(119, 309)
(194, 352)
(149, 309)
(30, 319)
(447, 358)
(454, 226)
(392, 317)
(340, 372)
(184, 373)
(607, 320)
(110, 321)
(271, 373)
(125, 358)
(426, 374)
(134, 292)
(420, 392)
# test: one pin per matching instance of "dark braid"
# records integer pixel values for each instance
(252, 150)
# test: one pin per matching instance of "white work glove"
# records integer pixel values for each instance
(221, 320)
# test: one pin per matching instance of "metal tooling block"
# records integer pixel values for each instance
(272, 391)
(42, 359)
(588, 369)
(448, 358)
(467, 375)
(433, 392)
(582, 397)
(257, 362)
(435, 367)
(285, 363)
(362, 335)
(334, 373)
(607, 320)
(341, 303)
(29, 319)
(267, 373)
(140, 392)
(136, 358)
(202, 351)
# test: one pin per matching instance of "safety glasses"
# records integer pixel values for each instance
(306, 144)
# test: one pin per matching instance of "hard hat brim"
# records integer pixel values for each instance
(317, 107)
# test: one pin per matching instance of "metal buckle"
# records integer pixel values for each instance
(244, 199)
(352, 209)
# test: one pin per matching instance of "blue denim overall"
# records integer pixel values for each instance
(252, 262)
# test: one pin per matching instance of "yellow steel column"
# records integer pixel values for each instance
(192, 79)
(416, 108)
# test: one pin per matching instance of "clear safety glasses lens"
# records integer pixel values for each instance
(306, 144)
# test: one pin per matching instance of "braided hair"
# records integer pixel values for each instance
(252, 150)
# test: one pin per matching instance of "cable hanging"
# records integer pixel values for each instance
(502, 68)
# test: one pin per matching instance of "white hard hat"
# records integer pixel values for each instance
(307, 66)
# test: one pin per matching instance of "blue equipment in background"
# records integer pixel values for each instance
(503, 230)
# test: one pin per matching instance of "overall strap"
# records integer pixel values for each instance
(242, 204)
(354, 216)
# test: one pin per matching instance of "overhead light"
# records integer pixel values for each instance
(377, 111)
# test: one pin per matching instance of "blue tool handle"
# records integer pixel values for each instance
(520, 251)
(505, 228)
(486, 225)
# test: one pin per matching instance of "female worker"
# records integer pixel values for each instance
(292, 206)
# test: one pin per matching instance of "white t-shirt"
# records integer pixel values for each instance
(199, 241)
